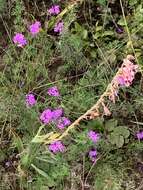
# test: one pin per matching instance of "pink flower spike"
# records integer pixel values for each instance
(56, 147)
(19, 40)
(30, 100)
(120, 80)
(106, 110)
(46, 116)
(59, 27)
(126, 72)
(53, 91)
(93, 136)
(54, 10)
(35, 28)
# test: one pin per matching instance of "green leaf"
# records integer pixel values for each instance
(119, 141)
(41, 172)
(98, 28)
(96, 124)
(102, 2)
(85, 34)
(18, 143)
(112, 138)
(121, 22)
(122, 130)
(111, 124)
(93, 54)
(108, 33)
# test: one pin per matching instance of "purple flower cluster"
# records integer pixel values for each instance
(56, 147)
(57, 113)
(54, 10)
(30, 100)
(140, 135)
(63, 122)
(53, 91)
(35, 28)
(59, 27)
(92, 135)
(93, 155)
(19, 40)
(55, 116)
(46, 116)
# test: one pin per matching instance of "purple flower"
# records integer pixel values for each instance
(119, 30)
(54, 10)
(59, 27)
(140, 135)
(30, 100)
(63, 122)
(93, 155)
(35, 28)
(57, 113)
(53, 91)
(46, 116)
(56, 147)
(19, 39)
(93, 136)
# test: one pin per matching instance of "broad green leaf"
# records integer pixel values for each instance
(111, 124)
(119, 141)
(122, 130)
(112, 138)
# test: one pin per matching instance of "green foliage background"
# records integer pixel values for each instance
(81, 62)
